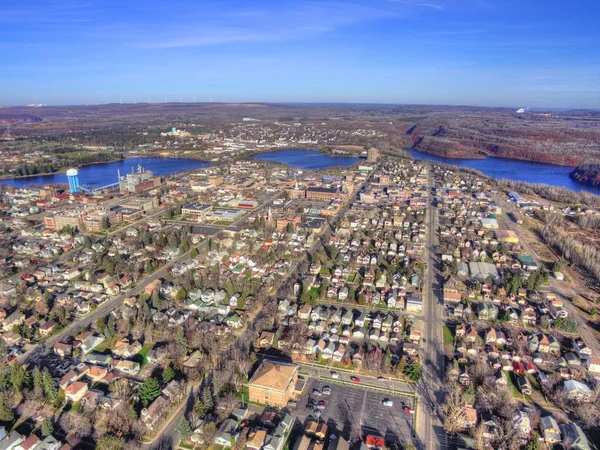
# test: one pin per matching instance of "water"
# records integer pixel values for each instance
(513, 169)
(306, 159)
(97, 175)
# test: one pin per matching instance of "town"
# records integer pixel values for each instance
(390, 303)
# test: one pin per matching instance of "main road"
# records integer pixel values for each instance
(430, 433)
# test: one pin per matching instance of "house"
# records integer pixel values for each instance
(577, 391)
(28, 444)
(468, 417)
(91, 342)
(256, 440)
(265, 340)
(61, 349)
(593, 365)
(550, 430)
(523, 384)
(414, 303)
(574, 435)
(128, 367)
(11, 441)
(522, 424)
(273, 442)
(153, 413)
(49, 443)
(228, 433)
(273, 383)
(75, 391)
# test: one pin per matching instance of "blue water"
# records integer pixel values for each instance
(306, 159)
(97, 175)
(513, 169)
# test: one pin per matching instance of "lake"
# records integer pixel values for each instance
(306, 159)
(101, 174)
(513, 169)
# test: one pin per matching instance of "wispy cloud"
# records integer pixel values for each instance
(418, 3)
(292, 22)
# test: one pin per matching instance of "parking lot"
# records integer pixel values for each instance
(359, 407)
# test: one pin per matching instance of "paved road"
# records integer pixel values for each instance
(428, 423)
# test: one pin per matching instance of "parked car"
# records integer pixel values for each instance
(322, 402)
(317, 392)
(355, 379)
(335, 374)
(387, 402)
(292, 404)
(326, 390)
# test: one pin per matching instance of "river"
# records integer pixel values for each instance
(306, 159)
(514, 169)
(96, 175)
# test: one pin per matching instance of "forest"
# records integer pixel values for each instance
(587, 172)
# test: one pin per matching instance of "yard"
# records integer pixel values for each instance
(448, 336)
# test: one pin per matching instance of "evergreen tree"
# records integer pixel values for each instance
(47, 428)
(49, 386)
(149, 390)
(413, 371)
(533, 443)
(38, 384)
(19, 377)
(6, 412)
(168, 374)
(184, 429)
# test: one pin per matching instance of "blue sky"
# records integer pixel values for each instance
(470, 52)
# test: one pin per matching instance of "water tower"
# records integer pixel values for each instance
(73, 176)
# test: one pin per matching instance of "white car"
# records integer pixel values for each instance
(387, 402)
(335, 375)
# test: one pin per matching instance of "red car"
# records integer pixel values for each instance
(355, 379)
(322, 402)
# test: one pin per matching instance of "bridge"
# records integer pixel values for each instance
(98, 190)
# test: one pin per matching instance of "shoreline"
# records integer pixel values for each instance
(484, 157)
(59, 171)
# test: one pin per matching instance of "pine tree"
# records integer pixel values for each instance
(50, 390)
(149, 390)
(184, 429)
(38, 384)
(19, 377)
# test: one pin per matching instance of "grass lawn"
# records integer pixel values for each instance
(144, 353)
(448, 336)
(512, 387)
(243, 395)
(107, 344)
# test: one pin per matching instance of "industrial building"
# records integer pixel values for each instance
(138, 181)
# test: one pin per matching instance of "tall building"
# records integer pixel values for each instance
(73, 177)
(372, 155)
